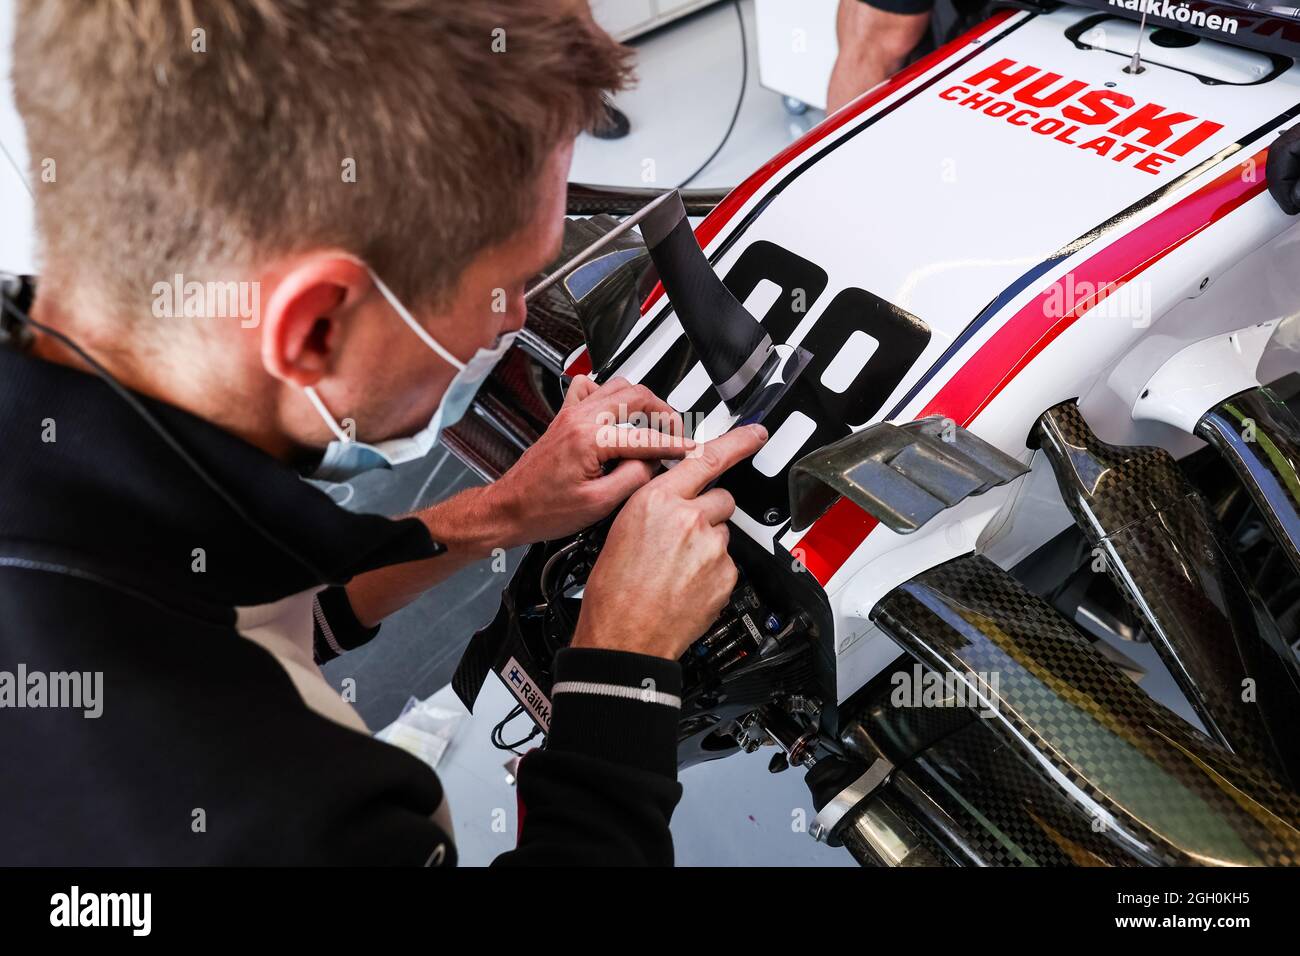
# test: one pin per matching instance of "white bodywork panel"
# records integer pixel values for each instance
(943, 210)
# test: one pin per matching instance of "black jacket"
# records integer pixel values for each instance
(117, 559)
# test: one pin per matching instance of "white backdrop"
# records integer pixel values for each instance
(17, 239)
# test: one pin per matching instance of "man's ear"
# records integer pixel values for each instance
(301, 319)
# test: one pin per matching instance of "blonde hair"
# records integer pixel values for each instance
(205, 134)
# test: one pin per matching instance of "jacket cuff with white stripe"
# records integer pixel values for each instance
(617, 706)
(335, 627)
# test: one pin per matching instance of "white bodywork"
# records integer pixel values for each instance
(941, 209)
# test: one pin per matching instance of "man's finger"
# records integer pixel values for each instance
(616, 487)
(615, 384)
(717, 504)
(613, 441)
(633, 399)
(580, 388)
(712, 458)
(589, 388)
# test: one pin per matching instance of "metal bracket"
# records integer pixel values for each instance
(901, 475)
(831, 815)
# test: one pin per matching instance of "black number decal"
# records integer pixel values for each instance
(900, 336)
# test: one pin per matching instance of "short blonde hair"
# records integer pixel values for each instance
(204, 134)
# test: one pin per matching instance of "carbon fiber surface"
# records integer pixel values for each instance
(509, 414)
(483, 449)
(732, 345)
(589, 200)
(1009, 812)
(552, 330)
(974, 794)
(1163, 792)
(1160, 545)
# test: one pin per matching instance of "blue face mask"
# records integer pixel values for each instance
(345, 457)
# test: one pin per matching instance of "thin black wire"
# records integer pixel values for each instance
(121, 391)
(498, 732)
(740, 100)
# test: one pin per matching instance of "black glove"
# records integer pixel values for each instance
(1282, 171)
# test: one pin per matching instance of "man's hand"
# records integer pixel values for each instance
(560, 484)
(664, 572)
(557, 487)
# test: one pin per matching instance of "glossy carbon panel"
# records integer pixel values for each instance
(903, 476)
(585, 199)
(1152, 783)
(975, 795)
(1257, 434)
(1011, 813)
(1160, 544)
(733, 346)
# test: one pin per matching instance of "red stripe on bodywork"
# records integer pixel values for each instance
(724, 211)
(837, 534)
(832, 538)
(1032, 329)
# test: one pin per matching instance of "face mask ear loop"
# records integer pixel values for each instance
(339, 433)
(415, 326)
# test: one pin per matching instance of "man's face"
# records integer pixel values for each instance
(387, 380)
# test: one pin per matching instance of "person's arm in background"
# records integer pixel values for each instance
(603, 789)
(875, 38)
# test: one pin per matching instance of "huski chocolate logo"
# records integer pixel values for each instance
(1099, 120)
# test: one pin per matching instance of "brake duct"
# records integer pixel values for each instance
(1160, 546)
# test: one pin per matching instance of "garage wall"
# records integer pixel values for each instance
(17, 232)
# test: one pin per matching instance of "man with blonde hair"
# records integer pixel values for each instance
(286, 235)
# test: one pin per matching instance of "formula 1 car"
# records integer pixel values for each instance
(1021, 322)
